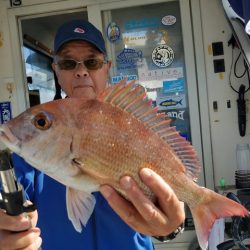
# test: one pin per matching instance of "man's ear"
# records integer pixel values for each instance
(53, 66)
(110, 64)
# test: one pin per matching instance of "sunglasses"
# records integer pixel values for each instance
(90, 64)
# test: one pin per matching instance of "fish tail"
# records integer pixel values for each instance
(212, 207)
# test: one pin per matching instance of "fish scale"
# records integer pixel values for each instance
(97, 142)
(137, 150)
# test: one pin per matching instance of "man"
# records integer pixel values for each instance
(82, 68)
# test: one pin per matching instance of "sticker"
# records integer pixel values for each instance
(152, 95)
(162, 56)
(132, 39)
(160, 74)
(210, 50)
(173, 86)
(177, 114)
(165, 37)
(129, 56)
(152, 85)
(171, 102)
(221, 76)
(180, 120)
(5, 112)
(185, 135)
(113, 32)
(116, 79)
(142, 23)
(168, 20)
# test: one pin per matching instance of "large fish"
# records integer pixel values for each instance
(84, 144)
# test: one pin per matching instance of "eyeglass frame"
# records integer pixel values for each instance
(104, 61)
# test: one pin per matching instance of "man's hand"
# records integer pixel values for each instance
(19, 232)
(140, 213)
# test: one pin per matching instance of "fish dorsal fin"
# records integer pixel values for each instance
(132, 98)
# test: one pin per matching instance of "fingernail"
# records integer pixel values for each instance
(145, 173)
(36, 230)
(106, 191)
(38, 242)
(25, 222)
(126, 182)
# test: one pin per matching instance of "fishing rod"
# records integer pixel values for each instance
(12, 197)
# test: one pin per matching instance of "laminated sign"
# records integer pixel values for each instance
(5, 112)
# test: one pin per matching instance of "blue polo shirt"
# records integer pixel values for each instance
(104, 230)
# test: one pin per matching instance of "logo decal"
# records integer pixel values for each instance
(177, 85)
(129, 56)
(142, 23)
(5, 112)
(163, 56)
(168, 20)
(113, 32)
(171, 103)
(79, 30)
(116, 79)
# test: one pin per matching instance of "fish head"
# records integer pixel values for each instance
(44, 135)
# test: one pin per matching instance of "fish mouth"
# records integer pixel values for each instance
(9, 139)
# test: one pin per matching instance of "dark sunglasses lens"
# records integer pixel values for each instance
(67, 64)
(93, 64)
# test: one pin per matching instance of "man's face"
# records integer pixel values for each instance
(81, 82)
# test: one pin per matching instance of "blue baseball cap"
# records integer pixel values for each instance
(79, 30)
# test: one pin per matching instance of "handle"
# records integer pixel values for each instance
(241, 103)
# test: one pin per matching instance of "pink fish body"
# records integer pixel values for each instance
(84, 144)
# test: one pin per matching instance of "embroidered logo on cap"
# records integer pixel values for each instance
(79, 30)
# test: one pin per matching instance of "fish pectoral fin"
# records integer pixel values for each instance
(80, 206)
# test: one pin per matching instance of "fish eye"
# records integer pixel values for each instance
(42, 121)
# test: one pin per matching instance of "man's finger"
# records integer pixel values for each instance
(166, 197)
(14, 223)
(150, 213)
(123, 208)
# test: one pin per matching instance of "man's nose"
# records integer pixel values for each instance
(81, 70)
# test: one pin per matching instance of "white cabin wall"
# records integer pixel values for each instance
(7, 82)
(223, 123)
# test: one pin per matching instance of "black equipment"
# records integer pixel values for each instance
(241, 104)
(240, 228)
(13, 200)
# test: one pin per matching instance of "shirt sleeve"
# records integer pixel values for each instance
(29, 177)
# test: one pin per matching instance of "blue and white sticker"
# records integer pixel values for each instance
(129, 56)
(142, 23)
(166, 102)
(163, 56)
(113, 32)
(5, 112)
(135, 38)
(116, 79)
(168, 20)
(176, 86)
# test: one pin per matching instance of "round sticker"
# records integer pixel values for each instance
(162, 56)
(168, 20)
(113, 32)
